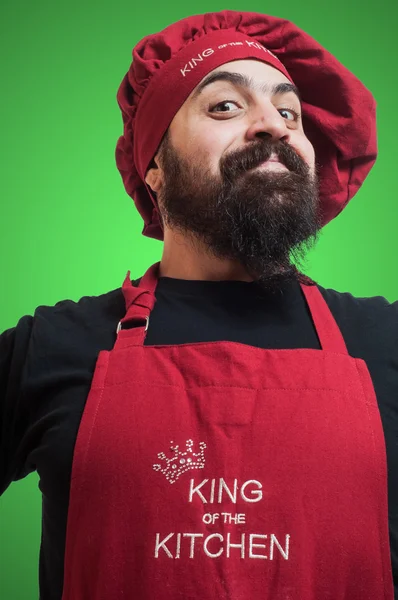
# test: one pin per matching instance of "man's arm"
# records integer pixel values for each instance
(14, 344)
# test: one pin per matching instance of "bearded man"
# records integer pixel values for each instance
(223, 427)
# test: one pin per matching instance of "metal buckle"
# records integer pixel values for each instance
(119, 325)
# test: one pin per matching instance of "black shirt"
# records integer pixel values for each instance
(47, 363)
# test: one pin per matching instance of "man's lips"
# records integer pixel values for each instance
(273, 164)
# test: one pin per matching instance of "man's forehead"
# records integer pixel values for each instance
(252, 75)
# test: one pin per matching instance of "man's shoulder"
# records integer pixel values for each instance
(372, 306)
(366, 322)
(87, 307)
(88, 322)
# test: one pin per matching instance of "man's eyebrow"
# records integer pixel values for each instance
(241, 80)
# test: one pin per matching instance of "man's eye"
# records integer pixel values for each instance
(222, 104)
(289, 113)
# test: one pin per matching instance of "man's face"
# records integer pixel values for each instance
(237, 172)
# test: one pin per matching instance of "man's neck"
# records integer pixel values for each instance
(181, 259)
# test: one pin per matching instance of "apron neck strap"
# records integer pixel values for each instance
(140, 301)
(329, 334)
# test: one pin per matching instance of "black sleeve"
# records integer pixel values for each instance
(14, 344)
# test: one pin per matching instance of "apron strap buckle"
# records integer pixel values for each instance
(119, 325)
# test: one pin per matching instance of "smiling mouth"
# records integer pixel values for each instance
(273, 164)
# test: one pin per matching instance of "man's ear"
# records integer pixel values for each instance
(154, 176)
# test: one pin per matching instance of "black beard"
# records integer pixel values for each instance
(263, 220)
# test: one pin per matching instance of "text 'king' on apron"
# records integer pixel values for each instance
(222, 471)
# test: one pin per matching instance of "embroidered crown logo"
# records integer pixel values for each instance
(180, 462)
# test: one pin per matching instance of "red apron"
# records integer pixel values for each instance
(218, 470)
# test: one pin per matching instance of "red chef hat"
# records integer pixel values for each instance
(338, 111)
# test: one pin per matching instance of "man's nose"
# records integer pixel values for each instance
(266, 121)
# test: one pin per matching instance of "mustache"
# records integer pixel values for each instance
(238, 162)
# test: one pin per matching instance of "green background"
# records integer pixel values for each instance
(68, 229)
